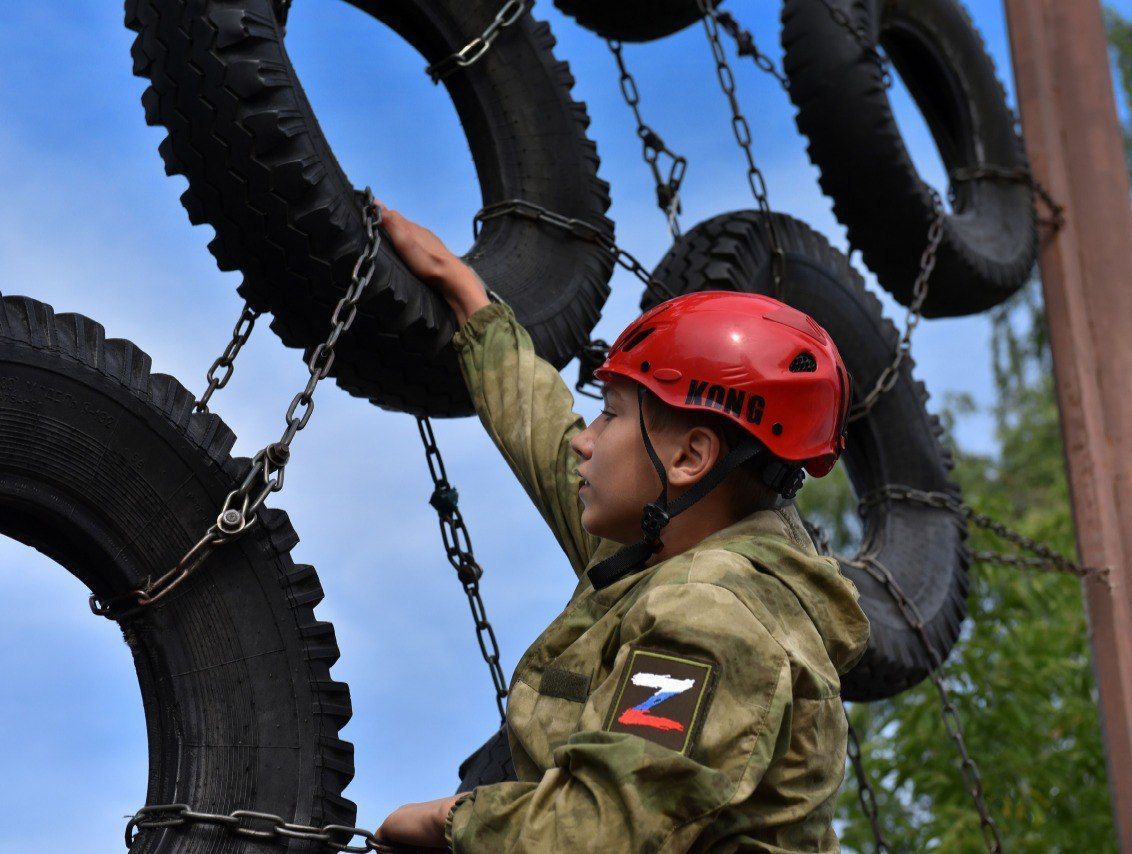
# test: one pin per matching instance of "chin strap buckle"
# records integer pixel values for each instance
(653, 520)
(783, 478)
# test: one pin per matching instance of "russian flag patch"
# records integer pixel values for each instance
(662, 698)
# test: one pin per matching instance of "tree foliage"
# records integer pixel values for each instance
(1021, 675)
(1119, 30)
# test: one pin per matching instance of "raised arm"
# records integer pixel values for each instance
(521, 399)
(527, 410)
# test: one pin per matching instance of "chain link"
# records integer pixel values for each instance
(745, 46)
(227, 359)
(1018, 175)
(1043, 557)
(593, 353)
(652, 146)
(891, 373)
(575, 228)
(971, 777)
(819, 535)
(863, 41)
(742, 132)
(590, 358)
(260, 826)
(865, 793)
(458, 548)
(241, 507)
(474, 51)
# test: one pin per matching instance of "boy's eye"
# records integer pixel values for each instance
(607, 413)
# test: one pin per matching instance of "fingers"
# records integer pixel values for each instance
(403, 234)
(427, 258)
(392, 220)
(403, 231)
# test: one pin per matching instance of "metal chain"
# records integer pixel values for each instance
(742, 131)
(891, 373)
(227, 359)
(862, 38)
(593, 353)
(243, 824)
(865, 793)
(970, 771)
(745, 45)
(590, 358)
(474, 51)
(241, 507)
(652, 146)
(1044, 558)
(576, 228)
(458, 548)
(1047, 560)
(819, 535)
(1019, 175)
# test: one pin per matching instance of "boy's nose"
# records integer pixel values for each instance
(582, 444)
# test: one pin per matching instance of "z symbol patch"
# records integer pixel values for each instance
(661, 698)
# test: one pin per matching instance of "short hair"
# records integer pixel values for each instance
(748, 490)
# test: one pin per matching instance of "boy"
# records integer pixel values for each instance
(687, 698)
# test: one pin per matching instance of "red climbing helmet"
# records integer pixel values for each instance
(758, 362)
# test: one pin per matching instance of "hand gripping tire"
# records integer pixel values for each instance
(105, 468)
(262, 174)
(633, 20)
(990, 238)
(898, 442)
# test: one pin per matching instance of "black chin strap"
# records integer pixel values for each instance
(658, 514)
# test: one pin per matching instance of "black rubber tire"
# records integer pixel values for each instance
(633, 20)
(990, 238)
(105, 468)
(897, 443)
(491, 763)
(261, 173)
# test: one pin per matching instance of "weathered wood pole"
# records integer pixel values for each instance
(1065, 94)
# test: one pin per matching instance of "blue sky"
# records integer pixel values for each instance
(91, 224)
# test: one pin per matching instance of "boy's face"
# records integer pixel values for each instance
(620, 480)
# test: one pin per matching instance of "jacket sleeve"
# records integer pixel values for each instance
(617, 791)
(528, 412)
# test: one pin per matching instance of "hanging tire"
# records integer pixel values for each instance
(262, 174)
(990, 238)
(105, 468)
(491, 763)
(898, 442)
(633, 20)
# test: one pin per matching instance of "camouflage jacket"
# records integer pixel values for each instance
(691, 706)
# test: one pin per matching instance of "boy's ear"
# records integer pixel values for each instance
(696, 454)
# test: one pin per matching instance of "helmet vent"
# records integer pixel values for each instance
(804, 363)
(637, 339)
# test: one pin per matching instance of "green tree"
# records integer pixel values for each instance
(1021, 675)
(1119, 31)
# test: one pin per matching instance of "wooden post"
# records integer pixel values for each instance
(1065, 95)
